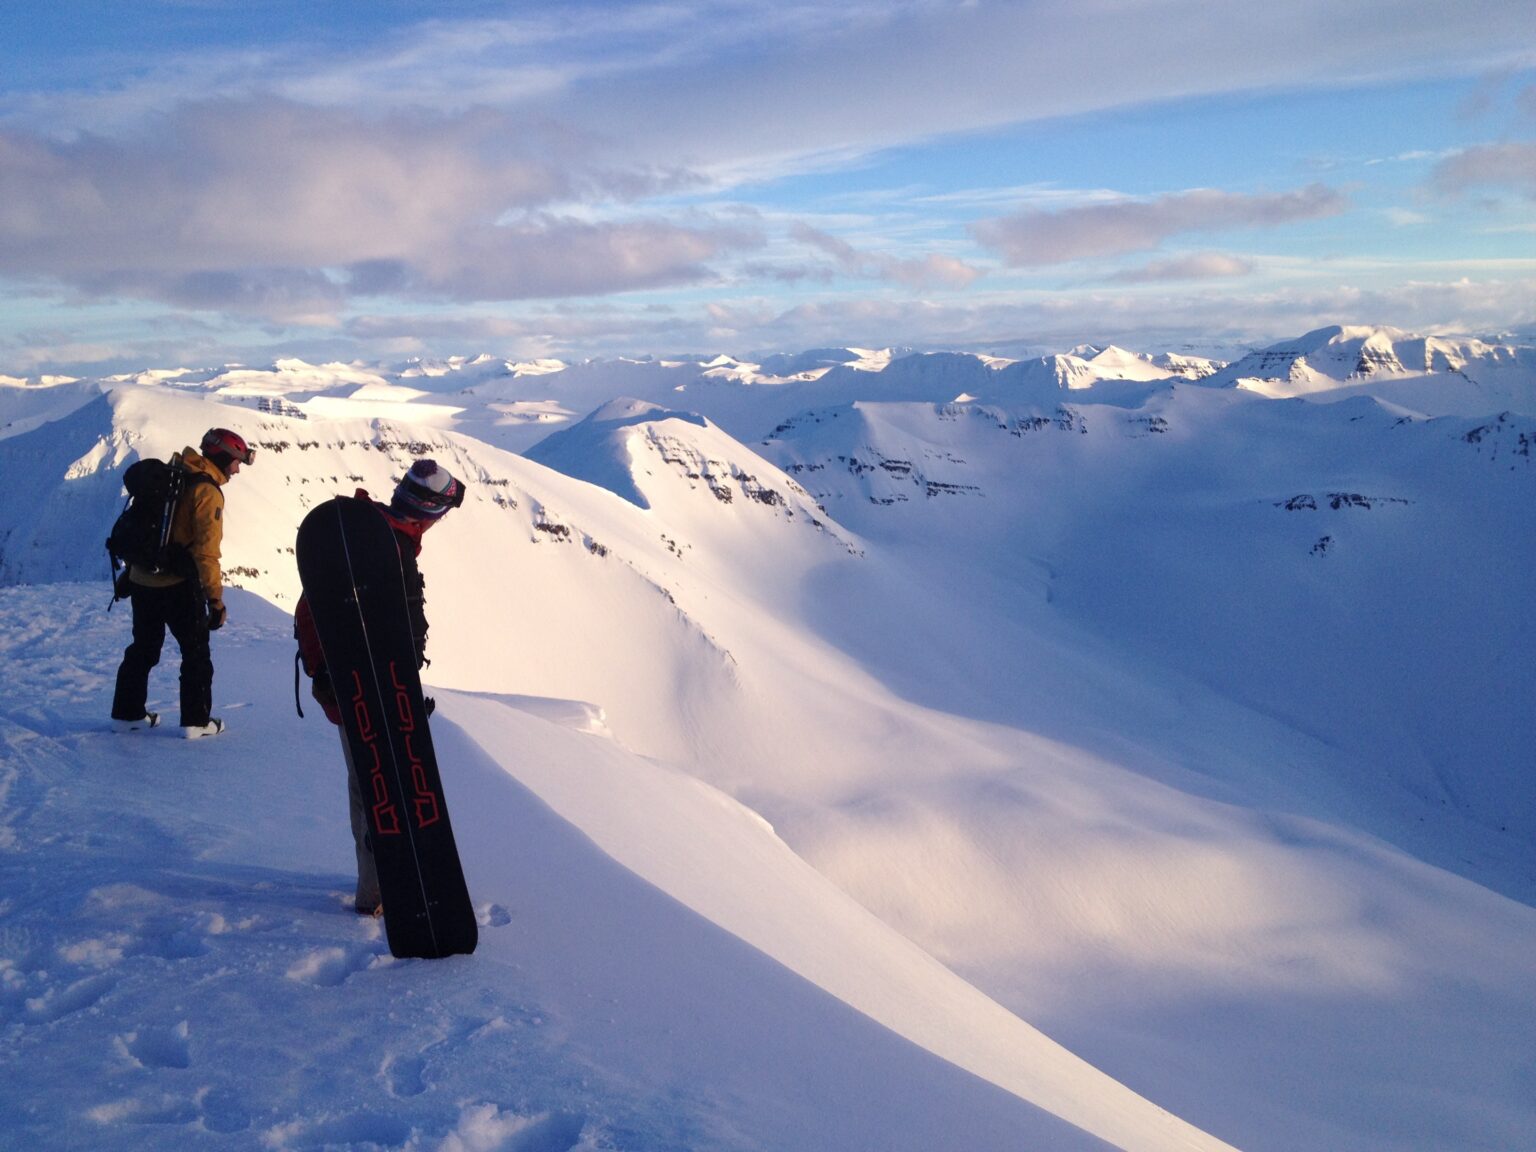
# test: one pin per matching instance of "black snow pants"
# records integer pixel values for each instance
(181, 609)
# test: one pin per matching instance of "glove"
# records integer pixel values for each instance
(323, 691)
(431, 705)
(216, 615)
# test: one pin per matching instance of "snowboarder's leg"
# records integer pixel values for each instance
(188, 621)
(130, 698)
(367, 872)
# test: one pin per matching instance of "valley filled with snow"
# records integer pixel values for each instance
(850, 749)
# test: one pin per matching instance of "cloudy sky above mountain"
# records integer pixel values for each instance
(183, 180)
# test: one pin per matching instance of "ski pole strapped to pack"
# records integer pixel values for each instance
(141, 535)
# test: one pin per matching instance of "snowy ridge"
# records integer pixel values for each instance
(1110, 743)
(633, 448)
(1428, 373)
(167, 982)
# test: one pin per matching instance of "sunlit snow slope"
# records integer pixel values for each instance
(1186, 725)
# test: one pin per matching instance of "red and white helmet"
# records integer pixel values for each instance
(224, 447)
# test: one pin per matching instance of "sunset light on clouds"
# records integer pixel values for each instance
(196, 179)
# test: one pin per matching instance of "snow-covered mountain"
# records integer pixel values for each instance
(1440, 374)
(515, 404)
(851, 751)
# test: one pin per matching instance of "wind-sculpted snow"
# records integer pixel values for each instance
(69, 472)
(639, 451)
(24, 407)
(1186, 724)
(178, 965)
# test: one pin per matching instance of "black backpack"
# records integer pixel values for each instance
(141, 535)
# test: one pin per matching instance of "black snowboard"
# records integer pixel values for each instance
(349, 564)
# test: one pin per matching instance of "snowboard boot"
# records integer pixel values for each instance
(196, 731)
(148, 720)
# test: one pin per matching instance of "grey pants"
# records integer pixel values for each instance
(367, 874)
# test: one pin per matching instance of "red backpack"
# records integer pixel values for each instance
(311, 657)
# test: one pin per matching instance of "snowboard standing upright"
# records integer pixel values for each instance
(349, 564)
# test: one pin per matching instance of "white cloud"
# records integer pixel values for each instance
(1140, 320)
(933, 270)
(545, 256)
(744, 324)
(296, 296)
(536, 156)
(253, 206)
(1195, 266)
(1414, 156)
(258, 182)
(1509, 165)
(745, 85)
(1036, 237)
(802, 80)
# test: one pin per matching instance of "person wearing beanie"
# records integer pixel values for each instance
(425, 493)
(188, 599)
(423, 496)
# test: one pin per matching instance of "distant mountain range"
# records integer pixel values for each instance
(515, 403)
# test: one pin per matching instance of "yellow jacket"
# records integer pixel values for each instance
(198, 526)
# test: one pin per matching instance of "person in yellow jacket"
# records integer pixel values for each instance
(188, 601)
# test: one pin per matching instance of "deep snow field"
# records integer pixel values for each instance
(847, 752)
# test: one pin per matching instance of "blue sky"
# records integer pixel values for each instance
(194, 181)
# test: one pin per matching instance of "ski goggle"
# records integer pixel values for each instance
(450, 497)
(415, 496)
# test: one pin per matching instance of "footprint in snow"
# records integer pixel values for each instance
(493, 916)
(487, 1126)
(557, 1132)
(223, 1110)
(173, 938)
(328, 967)
(153, 1109)
(55, 1004)
(362, 1129)
(404, 1076)
(211, 1109)
(157, 1047)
